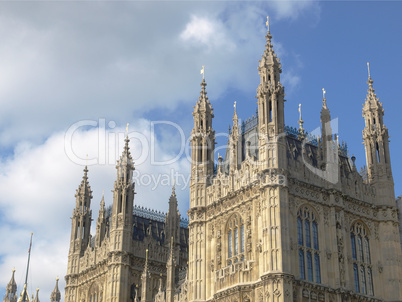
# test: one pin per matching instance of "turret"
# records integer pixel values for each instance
(376, 143)
(82, 217)
(121, 228)
(270, 95)
(55, 295)
(202, 148)
(11, 290)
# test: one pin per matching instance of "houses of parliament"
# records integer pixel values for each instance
(284, 216)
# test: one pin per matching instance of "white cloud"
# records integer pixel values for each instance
(38, 186)
(285, 9)
(202, 31)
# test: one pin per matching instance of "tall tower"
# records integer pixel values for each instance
(11, 290)
(121, 226)
(55, 295)
(202, 170)
(270, 95)
(376, 143)
(80, 225)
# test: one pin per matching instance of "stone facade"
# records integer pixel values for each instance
(11, 292)
(283, 217)
(128, 255)
(287, 217)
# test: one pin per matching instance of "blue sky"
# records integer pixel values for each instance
(139, 62)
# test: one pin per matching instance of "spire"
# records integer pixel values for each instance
(324, 100)
(24, 297)
(84, 189)
(125, 165)
(55, 295)
(102, 203)
(82, 217)
(271, 116)
(37, 296)
(327, 146)
(11, 290)
(172, 220)
(376, 141)
(269, 51)
(371, 98)
(301, 129)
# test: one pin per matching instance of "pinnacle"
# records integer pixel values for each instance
(85, 177)
(203, 94)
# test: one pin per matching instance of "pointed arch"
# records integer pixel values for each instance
(308, 244)
(361, 258)
(235, 238)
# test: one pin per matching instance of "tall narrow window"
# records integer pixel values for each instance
(315, 235)
(301, 264)
(299, 231)
(307, 232)
(352, 238)
(230, 243)
(362, 272)
(236, 241)
(242, 238)
(309, 267)
(363, 277)
(307, 239)
(370, 282)
(356, 277)
(317, 268)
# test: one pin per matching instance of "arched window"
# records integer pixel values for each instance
(362, 270)
(235, 239)
(307, 239)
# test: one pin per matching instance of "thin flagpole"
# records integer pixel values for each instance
(26, 276)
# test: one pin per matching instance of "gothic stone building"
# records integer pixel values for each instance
(287, 217)
(284, 217)
(11, 292)
(110, 266)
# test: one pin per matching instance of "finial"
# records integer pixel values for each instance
(267, 23)
(57, 279)
(301, 130)
(127, 129)
(234, 105)
(324, 100)
(203, 72)
(13, 270)
(323, 93)
(300, 116)
(368, 68)
(103, 193)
